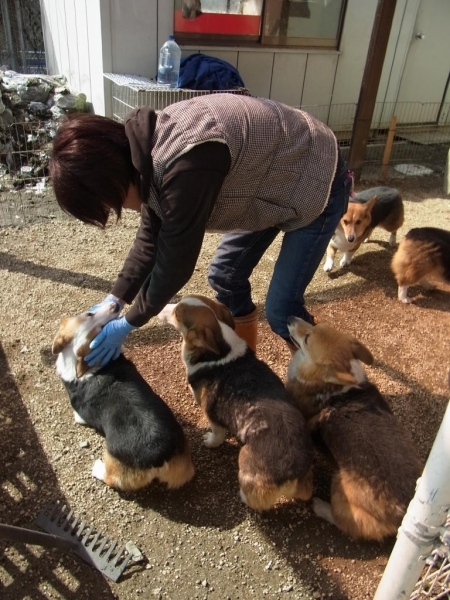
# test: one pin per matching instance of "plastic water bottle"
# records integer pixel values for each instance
(169, 63)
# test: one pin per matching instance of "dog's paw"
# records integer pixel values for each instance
(242, 496)
(99, 470)
(166, 315)
(211, 440)
(345, 261)
(78, 419)
(393, 240)
(322, 509)
(403, 295)
(328, 266)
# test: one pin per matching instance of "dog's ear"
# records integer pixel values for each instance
(81, 367)
(332, 375)
(361, 352)
(371, 203)
(207, 338)
(62, 338)
(224, 315)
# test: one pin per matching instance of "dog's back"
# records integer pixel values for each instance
(367, 440)
(422, 254)
(140, 428)
(247, 398)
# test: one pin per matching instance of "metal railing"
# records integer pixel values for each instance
(21, 37)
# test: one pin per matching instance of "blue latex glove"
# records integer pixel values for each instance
(107, 344)
(109, 298)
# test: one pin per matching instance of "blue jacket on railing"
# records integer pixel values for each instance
(202, 72)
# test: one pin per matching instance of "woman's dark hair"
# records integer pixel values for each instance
(91, 167)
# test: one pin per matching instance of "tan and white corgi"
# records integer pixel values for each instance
(375, 207)
(376, 465)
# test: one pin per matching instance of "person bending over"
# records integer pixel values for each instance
(247, 167)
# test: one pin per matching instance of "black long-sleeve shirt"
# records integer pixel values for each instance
(191, 184)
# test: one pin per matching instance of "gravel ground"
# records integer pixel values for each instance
(200, 541)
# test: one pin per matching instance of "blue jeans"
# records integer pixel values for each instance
(300, 255)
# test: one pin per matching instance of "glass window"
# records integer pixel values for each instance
(298, 23)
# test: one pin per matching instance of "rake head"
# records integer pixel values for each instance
(94, 548)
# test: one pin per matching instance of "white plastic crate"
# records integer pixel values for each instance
(132, 91)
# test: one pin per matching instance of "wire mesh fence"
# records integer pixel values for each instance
(421, 140)
(21, 38)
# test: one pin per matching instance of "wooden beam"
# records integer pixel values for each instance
(388, 148)
(370, 82)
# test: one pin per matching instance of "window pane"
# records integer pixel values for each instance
(222, 17)
(302, 22)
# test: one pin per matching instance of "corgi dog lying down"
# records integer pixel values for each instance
(375, 207)
(422, 255)
(144, 441)
(376, 465)
(240, 394)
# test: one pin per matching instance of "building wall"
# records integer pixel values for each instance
(85, 38)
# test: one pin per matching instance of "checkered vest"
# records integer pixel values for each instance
(282, 159)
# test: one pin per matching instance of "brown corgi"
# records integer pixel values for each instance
(376, 464)
(375, 207)
(423, 254)
(241, 394)
(144, 441)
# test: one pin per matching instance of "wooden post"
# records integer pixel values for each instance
(370, 82)
(447, 175)
(388, 147)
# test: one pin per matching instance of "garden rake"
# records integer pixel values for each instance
(69, 533)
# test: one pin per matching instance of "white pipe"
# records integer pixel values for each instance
(421, 525)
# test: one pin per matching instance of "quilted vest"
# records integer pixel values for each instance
(282, 159)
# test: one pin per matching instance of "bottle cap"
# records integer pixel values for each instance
(171, 37)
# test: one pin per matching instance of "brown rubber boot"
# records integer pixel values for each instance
(247, 328)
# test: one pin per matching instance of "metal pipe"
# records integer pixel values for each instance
(423, 522)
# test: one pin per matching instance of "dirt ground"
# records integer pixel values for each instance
(199, 542)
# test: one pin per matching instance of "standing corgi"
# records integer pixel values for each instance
(422, 254)
(375, 207)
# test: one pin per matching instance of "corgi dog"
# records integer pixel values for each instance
(240, 394)
(375, 207)
(144, 441)
(423, 254)
(376, 465)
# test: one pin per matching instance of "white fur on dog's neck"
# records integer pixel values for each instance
(238, 348)
(358, 372)
(66, 365)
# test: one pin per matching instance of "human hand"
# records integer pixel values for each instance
(107, 344)
(109, 298)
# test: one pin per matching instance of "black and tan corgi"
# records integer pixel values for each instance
(144, 440)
